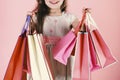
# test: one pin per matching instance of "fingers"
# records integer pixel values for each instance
(31, 13)
(85, 10)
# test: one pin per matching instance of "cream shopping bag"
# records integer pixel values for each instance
(39, 63)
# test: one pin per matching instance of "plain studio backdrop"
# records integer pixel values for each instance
(106, 13)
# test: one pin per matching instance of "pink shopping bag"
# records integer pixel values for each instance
(94, 59)
(81, 65)
(64, 47)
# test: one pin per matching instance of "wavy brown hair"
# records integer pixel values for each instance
(41, 11)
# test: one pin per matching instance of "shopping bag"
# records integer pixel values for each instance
(44, 50)
(17, 69)
(40, 68)
(81, 64)
(94, 48)
(104, 50)
(64, 47)
(94, 59)
(105, 56)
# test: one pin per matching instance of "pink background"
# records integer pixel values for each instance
(106, 13)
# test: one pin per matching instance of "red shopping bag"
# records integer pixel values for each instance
(102, 50)
(17, 67)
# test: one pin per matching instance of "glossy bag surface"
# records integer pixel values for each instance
(18, 64)
(105, 56)
(39, 65)
(81, 65)
(64, 47)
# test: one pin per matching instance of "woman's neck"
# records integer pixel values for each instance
(55, 12)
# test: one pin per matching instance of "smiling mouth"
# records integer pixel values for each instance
(54, 2)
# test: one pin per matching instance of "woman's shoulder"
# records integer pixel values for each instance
(70, 17)
(73, 19)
